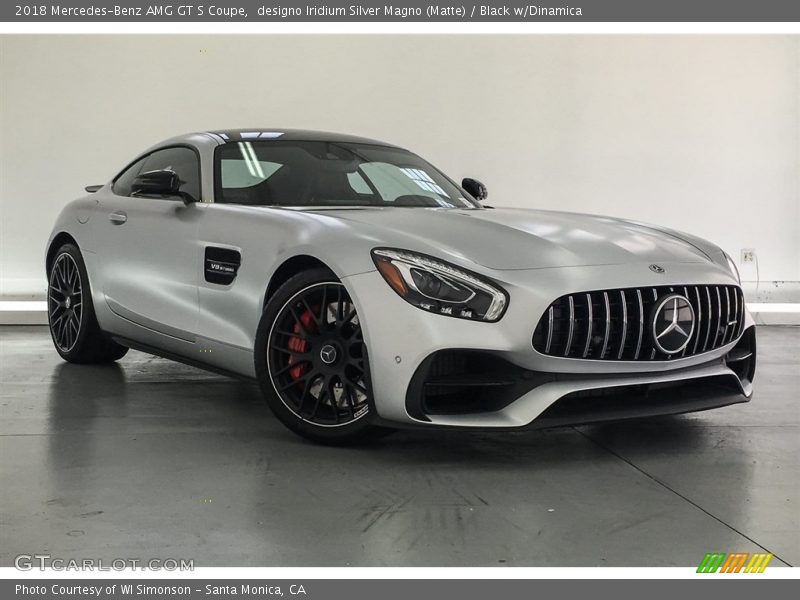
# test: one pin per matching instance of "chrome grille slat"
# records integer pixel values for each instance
(727, 316)
(708, 327)
(686, 294)
(655, 299)
(641, 325)
(549, 330)
(624, 324)
(571, 325)
(606, 331)
(699, 318)
(589, 328)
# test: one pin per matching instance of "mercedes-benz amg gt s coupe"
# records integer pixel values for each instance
(363, 290)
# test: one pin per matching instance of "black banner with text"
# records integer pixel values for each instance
(398, 589)
(402, 10)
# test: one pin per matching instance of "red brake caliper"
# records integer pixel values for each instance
(299, 345)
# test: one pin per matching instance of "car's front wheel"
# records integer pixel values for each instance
(70, 313)
(311, 360)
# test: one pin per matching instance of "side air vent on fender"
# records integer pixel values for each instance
(221, 265)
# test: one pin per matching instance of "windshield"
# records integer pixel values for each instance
(289, 173)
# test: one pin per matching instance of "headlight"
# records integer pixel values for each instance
(732, 266)
(440, 287)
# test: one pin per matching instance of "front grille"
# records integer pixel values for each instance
(616, 324)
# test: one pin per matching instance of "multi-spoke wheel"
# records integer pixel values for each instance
(312, 361)
(65, 300)
(73, 326)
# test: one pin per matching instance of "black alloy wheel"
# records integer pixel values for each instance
(76, 333)
(316, 357)
(65, 302)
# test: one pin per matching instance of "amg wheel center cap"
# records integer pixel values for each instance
(673, 323)
(328, 354)
(68, 302)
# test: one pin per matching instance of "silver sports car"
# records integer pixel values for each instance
(364, 289)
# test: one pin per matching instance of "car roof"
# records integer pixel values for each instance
(280, 133)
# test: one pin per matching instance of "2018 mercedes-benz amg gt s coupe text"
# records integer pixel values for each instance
(362, 288)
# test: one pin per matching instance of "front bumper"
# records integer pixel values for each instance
(530, 389)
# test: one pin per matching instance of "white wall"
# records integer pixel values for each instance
(696, 132)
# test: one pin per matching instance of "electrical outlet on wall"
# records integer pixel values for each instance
(748, 255)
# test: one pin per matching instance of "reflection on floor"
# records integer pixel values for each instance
(152, 459)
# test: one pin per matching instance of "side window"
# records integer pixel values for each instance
(181, 160)
(122, 184)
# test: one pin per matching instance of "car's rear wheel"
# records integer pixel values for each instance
(311, 360)
(70, 313)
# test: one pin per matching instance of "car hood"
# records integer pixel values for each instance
(506, 238)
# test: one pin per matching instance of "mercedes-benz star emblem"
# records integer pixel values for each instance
(328, 354)
(673, 323)
(657, 269)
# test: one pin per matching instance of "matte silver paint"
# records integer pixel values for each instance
(147, 280)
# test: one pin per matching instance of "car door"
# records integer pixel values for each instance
(148, 254)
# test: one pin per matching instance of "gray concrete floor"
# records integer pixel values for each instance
(152, 459)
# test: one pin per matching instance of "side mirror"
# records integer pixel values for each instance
(475, 189)
(159, 183)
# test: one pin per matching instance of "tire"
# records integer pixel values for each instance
(70, 313)
(312, 363)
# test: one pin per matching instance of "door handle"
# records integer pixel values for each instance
(118, 218)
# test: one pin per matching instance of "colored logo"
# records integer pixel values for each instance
(736, 562)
